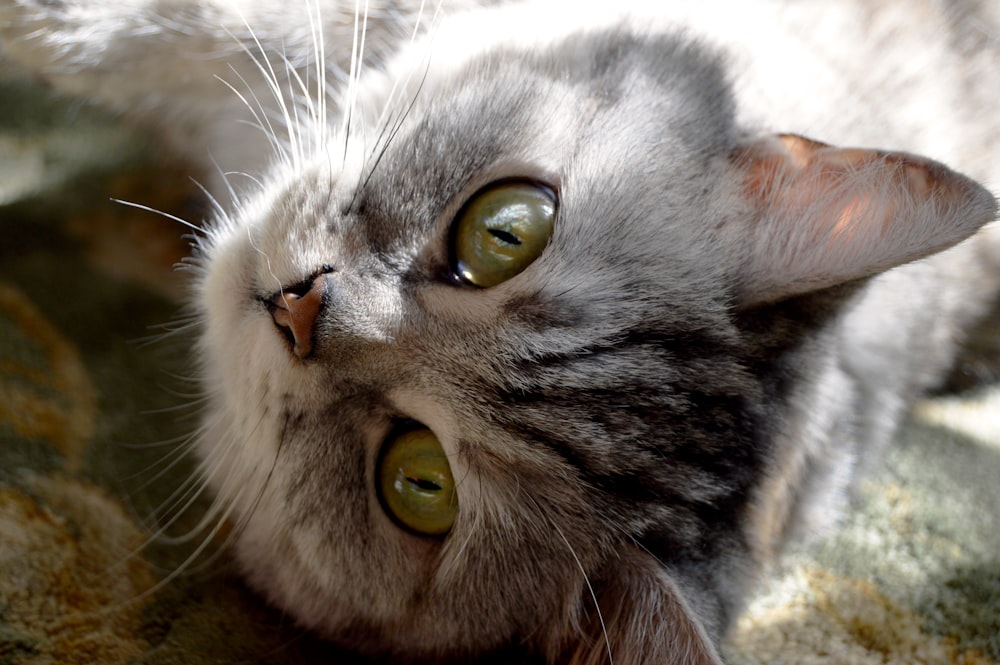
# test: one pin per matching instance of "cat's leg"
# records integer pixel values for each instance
(202, 71)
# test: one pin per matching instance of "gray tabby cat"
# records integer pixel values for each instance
(545, 325)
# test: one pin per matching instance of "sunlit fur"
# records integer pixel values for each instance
(687, 377)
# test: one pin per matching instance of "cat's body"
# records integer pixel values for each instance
(640, 417)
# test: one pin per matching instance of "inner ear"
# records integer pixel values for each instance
(642, 618)
(818, 215)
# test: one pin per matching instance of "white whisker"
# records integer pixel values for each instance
(161, 213)
(586, 579)
(354, 76)
(477, 516)
(319, 53)
(391, 126)
(261, 118)
(266, 70)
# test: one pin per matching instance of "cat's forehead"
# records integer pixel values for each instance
(621, 123)
(606, 105)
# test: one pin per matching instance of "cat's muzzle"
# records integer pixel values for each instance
(295, 310)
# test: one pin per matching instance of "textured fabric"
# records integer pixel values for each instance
(96, 403)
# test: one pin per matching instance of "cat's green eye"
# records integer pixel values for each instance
(415, 483)
(501, 230)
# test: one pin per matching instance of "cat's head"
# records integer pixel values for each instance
(472, 365)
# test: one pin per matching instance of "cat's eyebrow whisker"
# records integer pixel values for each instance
(393, 125)
(457, 556)
(293, 120)
(420, 16)
(395, 130)
(354, 76)
(579, 564)
(383, 120)
(319, 108)
(299, 89)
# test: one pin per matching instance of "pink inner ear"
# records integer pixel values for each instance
(822, 215)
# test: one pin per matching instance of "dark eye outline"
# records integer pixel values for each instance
(455, 275)
(402, 427)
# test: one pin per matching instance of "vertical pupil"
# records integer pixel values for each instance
(505, 236)
(424, 484)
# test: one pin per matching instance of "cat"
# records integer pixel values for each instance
(546, 324)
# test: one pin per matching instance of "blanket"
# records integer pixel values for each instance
(103, 554)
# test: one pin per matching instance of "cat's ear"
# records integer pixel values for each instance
(821, 215)
(643, 619)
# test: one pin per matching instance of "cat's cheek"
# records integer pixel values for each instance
(225, 292)
(240, 339)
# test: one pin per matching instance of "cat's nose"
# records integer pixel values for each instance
(294, 311)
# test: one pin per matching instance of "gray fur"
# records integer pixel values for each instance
(691, 374)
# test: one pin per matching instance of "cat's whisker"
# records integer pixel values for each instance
(172, 510)
(161, 213)
(353, 76)
(266, 69)
(586, 578)
(690, 325)
(185, 567)
(175, 456)
(267, 261)
(456, 557)
(180, 504)
(247, 515)
(176, 505)
(249, 176)
(295, 100)
(392, 125)
(172, 442)
(300, 92)
(178, 327)
(319, 105)
(392, 134)
(221, 213)
(182, 447)
(261, 120)
(288, 104)
(420, 16)
(192, 401)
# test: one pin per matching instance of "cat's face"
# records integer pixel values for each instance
(554, 393)
(587, 411)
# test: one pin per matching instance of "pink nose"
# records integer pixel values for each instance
(295, 313)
